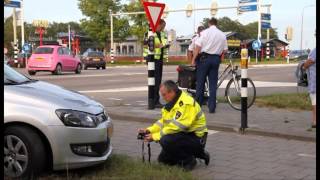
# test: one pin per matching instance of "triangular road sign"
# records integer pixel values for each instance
(154, 12)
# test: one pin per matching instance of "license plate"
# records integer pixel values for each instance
(39, 58)
(96, 59)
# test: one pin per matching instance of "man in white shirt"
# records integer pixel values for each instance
(211, 44)
(192, 46)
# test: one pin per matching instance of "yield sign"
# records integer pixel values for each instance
(153, 11)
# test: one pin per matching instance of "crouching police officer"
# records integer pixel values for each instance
(181, 131)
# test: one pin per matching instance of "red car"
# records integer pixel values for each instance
(20, 62)
(53, 58)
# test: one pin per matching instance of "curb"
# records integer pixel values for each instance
(225, 128)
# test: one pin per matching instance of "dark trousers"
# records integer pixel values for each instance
(208, 65)
(158, 78)
(179, 148)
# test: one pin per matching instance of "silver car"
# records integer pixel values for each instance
(49, 127)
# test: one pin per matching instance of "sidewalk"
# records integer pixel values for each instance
(233, 156)
(261, 121)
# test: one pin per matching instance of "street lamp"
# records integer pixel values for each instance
(189, 10)
(302, 25)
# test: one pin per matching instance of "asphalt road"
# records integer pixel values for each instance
(127, 85)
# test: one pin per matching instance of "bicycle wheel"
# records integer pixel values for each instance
(233, 93)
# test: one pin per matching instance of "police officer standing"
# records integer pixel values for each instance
(192, 45)
(181, 130)
(160, 43)
(211, 45)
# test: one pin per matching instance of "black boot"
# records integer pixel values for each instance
(205, 156)
(190, 165)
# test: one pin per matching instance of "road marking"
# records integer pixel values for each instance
(210, 132)
(131, 89)
(307, 155)
(115, 99)
(94, 75)
(258, 84)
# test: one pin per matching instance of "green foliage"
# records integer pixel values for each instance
(124, 167)
(139, 21)
(248, 31)
(290, 101)
(97, 24)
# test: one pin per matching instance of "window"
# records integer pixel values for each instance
(60, 51)
(66, 51)
(44, 50)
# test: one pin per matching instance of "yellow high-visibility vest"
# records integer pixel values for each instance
(185, 116)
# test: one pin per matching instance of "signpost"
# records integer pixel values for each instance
(247, 8)
(13, 4)
(153, 12)
(256, 45)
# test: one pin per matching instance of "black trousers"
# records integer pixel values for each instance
(180, 148)
(158, 79)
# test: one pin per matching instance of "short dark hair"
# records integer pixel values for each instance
(213, 21)
(170, 85)
(162, 21)
(200, 28)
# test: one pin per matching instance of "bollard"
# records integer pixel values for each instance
(151, 68)
(16, 51)
(288, 61)
(268, 52)
(112, 56)
(244, 89)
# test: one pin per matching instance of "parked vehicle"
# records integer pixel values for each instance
(93, 59)
(48, 127)
(298, 55)
(20, 62)
(53, 58)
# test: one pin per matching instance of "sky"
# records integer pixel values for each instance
(284, 13)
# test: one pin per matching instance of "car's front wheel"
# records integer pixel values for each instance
(32, 72)
(24, 153)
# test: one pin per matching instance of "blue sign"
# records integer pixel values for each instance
(247, 1)
(266, 17)
(14, 4)
(248, 8)
(265, 25)
(256, 45)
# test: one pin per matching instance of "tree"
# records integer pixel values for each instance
(139, 21)
(97, 25)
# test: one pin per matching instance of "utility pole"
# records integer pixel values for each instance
(268, 38)
(22, 24)
(15, 35)
(69, 34)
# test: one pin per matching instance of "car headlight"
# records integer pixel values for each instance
(80, 119)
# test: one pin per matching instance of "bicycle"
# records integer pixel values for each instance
(233, 87)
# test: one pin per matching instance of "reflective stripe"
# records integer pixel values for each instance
(199, 115)
(159, 124)
(181, 126)
(167, 121)
(175, 122)
(201, 128)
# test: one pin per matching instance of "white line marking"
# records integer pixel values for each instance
(307, 155)
(258, 84)
(94, 75)
(210, 132)
(115, 99)
(131, 89)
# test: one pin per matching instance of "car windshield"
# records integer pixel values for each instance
(44, 50)
(95, 54)
(12, 77)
